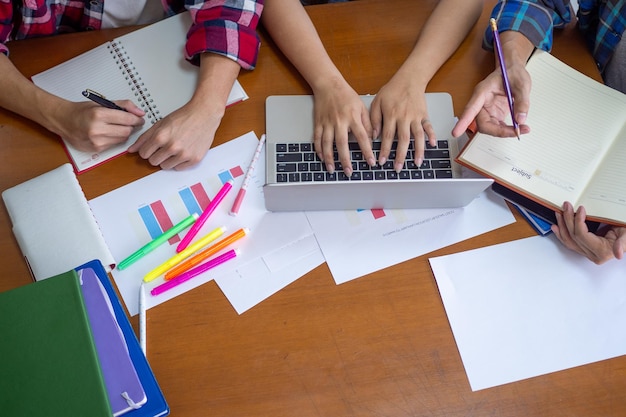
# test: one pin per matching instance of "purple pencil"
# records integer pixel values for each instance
(505, 77)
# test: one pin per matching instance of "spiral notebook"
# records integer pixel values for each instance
(147, 66)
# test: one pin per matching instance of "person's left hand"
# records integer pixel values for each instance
(179, 140)
(400, 109)
(572, 231)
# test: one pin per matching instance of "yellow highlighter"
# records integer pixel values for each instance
(205, 254)
(190, 250)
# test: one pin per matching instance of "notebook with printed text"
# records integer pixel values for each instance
(297, 180)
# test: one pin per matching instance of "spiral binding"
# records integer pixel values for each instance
(135, 82)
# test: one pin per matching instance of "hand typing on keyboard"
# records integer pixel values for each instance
(405, 114)
(400, 108)
(338, 112)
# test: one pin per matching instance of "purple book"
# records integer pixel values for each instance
(120, 377)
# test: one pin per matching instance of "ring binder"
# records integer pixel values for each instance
(135, 82)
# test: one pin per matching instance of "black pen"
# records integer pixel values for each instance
(101, 100)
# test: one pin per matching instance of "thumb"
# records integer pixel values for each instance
(620, 243)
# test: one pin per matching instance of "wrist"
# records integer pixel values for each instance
(410, 78)
(516, 48)
(324, 84)
(51, 112)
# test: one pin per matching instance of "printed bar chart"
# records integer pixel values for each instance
(195, 198)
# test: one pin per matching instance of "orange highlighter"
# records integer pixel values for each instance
(205, 254)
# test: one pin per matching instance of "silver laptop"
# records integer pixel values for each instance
(297, 180)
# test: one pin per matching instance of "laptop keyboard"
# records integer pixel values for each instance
(298, 162)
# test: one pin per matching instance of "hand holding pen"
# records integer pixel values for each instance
(101, 100)
(94, 129)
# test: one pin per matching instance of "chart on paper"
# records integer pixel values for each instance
(154, 218)
(400, 234)
(134, 214)
(357, 218)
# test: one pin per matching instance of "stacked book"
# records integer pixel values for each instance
(69, 349)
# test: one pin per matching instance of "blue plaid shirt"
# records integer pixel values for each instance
(602, 22)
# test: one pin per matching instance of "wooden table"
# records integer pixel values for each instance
(380, 345)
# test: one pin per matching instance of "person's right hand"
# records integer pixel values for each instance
(489, 107)
(92, 128)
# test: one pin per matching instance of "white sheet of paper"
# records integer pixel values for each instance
(531, 307)
(258, 279)
(356, 243)
(125, 228)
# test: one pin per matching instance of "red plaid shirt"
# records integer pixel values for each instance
(220, 26)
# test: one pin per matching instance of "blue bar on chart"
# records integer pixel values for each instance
(156, 220)
(195, 198)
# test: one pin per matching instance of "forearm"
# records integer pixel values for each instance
(440, 37)
(19, 95)
(293, 32)
(216, 78)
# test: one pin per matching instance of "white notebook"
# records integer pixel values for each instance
(147, 66)
(53, 224)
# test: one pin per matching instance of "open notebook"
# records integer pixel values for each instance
(297, 180)
(147, 66)
(576, 150)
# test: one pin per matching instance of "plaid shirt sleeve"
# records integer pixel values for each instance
(225, 27)
(535, 19)
(6, 24)
(603, 23)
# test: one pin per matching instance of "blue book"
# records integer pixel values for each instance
(540, 225)
(155, 404)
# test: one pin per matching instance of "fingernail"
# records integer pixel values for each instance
(382, 160)
(330, 168)
(398, 167)
(521, 118)
(371, 161)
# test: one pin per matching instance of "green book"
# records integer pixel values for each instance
(48, 361)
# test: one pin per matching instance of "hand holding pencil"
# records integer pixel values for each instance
(488, 108)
